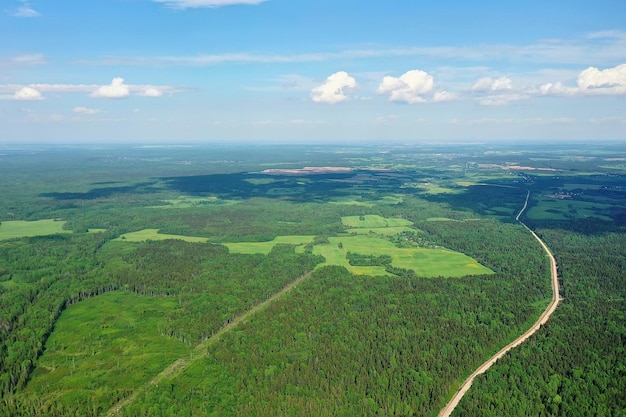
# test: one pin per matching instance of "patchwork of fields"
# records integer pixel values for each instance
(405, 270)
(365, 235)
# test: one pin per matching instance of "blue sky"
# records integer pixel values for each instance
(304, 71)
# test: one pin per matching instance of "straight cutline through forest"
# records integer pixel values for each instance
(200, 351)
(556, 298)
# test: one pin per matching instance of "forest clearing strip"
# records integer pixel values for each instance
(454, 401)
(201, 350)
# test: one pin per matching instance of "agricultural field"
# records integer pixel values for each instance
(266, 247)
(187, 202)
(12, 229)
(425, 262)
(153, 234)
(372, 280)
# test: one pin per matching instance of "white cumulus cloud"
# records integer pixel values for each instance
(334, 89)
(117, 89)
(409, 87)
(610, 80)
(591, 81)
(193, 4)
(150, 92)
(85, 110)
(489, 84)
(502, 99)
(557, 89)
(27, 94)
(443, 96)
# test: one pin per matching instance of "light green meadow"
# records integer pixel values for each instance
(103, 346)
(366, 240)
(424, 261)
(20, 228)
(265, 247)
(188, 202)
(153, 234)
(432, 188)
(389, 200)
(374, 221)
(374, 224)
(386, 231)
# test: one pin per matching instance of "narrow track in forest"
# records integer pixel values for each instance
(201, 350)
(556, 298)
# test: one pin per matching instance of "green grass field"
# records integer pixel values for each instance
(20, 228)
(103, 346)
(153, 234)
(265, 247)
(188, 202)
(373, 221)
(386, 231)
(388, 200)
(425, 262)
(432, 188)
(367, 238)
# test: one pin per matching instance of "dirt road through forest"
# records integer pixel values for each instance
(449, 408)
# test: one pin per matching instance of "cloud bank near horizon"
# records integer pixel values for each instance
(195, 4)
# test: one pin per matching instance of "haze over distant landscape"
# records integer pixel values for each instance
(182, 71)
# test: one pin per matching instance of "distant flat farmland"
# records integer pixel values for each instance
(20, 228)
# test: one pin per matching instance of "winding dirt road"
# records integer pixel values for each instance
(200, 351)
(447, 410)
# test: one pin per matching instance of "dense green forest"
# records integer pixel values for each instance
(338, 343)
(576, 365)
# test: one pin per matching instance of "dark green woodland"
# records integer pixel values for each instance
(122, 289)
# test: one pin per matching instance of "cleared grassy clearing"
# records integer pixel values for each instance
(386, 231)
(265, 247)
(386, 200)
(465, 183)
(432, 188)
(424, 261)
(21, 228)
(153, 234)
(353, 202)
(262, 181)
(104, 346)
(373, 221)
(188, 202)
